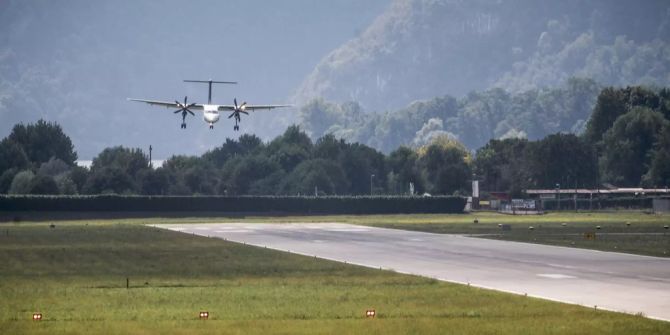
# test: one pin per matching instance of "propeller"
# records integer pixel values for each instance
(184, 108)
(238, 109)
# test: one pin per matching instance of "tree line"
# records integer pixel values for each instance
(626, 143)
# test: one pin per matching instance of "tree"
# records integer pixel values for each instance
(79, 175)
(6, 179)
(12, 155)
(130, 161)
(246, 145)
(43, 184)
(360, 163)
(329, 147)
(628, 146)
(322, 175)
(42, 141)
(658, 174)
(561, 159)
(65, 185)
(53, 167)
(500, 165)
(241, 173)
(446, 166)
(153, 182)
(21, 184)
(108, 180)
(403, 170)
(291, 148)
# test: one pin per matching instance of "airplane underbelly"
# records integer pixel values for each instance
(211, 117)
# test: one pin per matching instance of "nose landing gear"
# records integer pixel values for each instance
(211, 126)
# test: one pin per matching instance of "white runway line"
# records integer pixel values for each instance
(555, 276)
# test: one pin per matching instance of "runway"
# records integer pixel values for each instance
(612, 281)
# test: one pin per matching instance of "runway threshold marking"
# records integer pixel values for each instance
(555, 276)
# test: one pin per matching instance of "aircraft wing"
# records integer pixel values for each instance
(251, 107)
(166, 104)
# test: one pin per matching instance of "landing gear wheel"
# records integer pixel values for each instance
(236, 128)
(211, 126)
(183, 126)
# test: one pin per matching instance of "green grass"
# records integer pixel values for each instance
(645, 235)
(75, 274)
(629, 232)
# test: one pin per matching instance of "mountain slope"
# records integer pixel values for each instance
(419, 49)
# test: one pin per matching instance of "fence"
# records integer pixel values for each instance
(245, 204)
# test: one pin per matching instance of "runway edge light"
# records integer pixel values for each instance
(204, 315)
(37, 316)
(370, 313)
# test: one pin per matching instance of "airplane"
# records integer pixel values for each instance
(210, 111)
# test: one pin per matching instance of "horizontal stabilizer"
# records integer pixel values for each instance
(210, 81)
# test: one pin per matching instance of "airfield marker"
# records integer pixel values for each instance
(37, 316)
(370, 313)
(204, 315)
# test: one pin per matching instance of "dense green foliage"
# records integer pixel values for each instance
(473, 119)
(626, 143)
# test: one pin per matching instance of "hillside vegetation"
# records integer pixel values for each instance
(420, 49)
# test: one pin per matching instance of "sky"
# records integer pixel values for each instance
(75, 62)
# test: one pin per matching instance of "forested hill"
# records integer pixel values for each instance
(421, 49)
(472, 120)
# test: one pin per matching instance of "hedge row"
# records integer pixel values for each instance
(245, 204)
(599, 203)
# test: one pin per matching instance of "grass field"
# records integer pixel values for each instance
(621, 231)
(75, 274)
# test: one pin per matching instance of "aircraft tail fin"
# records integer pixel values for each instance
(210, 82)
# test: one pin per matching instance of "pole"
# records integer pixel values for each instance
(150, 149)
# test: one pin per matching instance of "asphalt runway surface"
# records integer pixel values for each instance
(604, 280)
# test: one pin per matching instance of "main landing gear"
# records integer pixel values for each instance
(236, 127)
(183, 125)
(211, 126)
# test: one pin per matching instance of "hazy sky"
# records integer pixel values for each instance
(76, 62)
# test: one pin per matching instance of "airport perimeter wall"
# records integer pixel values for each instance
(243, 204)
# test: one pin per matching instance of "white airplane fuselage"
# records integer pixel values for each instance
(211, 114)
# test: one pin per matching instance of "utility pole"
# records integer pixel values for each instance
(150, 163)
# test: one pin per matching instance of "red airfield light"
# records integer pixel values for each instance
(37, 316)
(204, 315)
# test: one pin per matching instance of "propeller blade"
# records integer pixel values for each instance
(188, 110)
(177, 111)
(243, 112)
(231, 115)
(191, 105)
